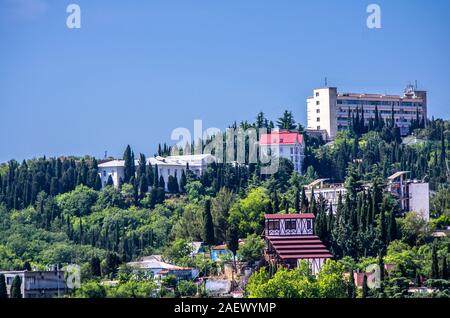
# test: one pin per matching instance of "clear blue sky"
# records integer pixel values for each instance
(138, 69)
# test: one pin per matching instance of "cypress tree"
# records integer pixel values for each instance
(383, 230)
(304, 201)
(98, 182)
(16, 288)
(365, 287)
(276, 202)
(156, 177)
(297, 201)
(392, 234)
(233, 239)
(183, 182)
(162, 184)
(3, 291)
(381, 265)
(110, 181)
(434, 263)
(95, 267)
(351, 289)
(208, 226)
(444, 271)
(129, 170)
(143, 186)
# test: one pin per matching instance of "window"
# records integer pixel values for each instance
(31, 280)
(168, 172)
(318, 119)
(292, 150)
(317, 111)
(104, 173)
(318, 102)
(317, 94)
(290, 225)
(274, 225)
(318, 127)
(9, 280)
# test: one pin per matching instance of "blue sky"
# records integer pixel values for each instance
(138, 69)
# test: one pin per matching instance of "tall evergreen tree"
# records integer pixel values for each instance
(351, 288)
(392, 233)
(287, 121)
(208, 225)
(3, 291)
(95, 267)
(233, 239)
(304, 202)
(297, 201)
(129, 169)
(16, 288)
(444, 270)
(365, 287)
(183, 182)
(434, 263)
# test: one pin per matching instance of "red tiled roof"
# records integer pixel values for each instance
(281, 138)
(290, 216)
(299, 247)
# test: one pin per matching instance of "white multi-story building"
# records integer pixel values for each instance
(285, 145)
(328, 110)
(411, 195)
(168, 166)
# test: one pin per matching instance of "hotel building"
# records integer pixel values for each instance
(328, 110)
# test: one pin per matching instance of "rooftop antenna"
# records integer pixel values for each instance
(106, 154)
(415, 85)
(326, 81)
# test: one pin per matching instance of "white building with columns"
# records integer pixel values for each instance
(167, 166)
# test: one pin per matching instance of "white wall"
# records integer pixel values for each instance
(419, 199)
(322, 106)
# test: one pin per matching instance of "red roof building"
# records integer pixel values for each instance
(281, 138)
(290, 238)
(284, 144)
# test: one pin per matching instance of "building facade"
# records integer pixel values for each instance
(290, 239)
(411, 195)
(167, 166)
(38, 284)
(286, 145)
(328, 110)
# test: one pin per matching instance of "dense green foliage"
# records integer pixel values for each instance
(52, 211)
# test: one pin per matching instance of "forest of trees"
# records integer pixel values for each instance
(53, 211)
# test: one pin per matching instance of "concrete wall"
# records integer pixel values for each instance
(419, 199)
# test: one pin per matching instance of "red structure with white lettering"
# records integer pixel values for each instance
(290, 238)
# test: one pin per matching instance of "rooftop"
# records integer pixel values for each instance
(299, 247)
(289, 216)
(192, 160)
(281, 138)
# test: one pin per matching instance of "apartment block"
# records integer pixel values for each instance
(328, 110)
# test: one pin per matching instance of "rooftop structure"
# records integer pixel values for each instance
(284, 144)
(155, 267)
(290, 239)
